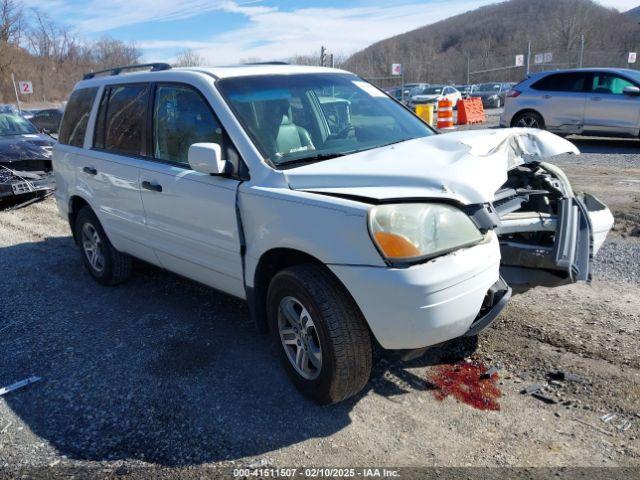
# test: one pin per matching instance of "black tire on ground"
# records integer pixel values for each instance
(528, 119)
(342, 333)
(116, 266)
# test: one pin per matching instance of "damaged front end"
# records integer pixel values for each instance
(548, 235)
(26, 171)
(19, 184)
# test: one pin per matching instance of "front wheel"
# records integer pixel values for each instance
(321, 336)
(528, 120)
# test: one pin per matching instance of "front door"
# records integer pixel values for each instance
(191, 217)
(608, 109)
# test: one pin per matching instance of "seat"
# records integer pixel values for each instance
(292, 138)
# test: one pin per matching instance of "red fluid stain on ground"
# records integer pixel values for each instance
(463, 381)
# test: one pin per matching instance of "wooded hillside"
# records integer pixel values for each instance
(51, 56)
(491, 36)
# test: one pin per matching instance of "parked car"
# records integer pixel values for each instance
(9, 108)
(48, 120)
(492, 94)
(402, 94)
(433, 95)
(370, 228)
(465, 90)
(25, 159)
(28, 113)
(593, 101)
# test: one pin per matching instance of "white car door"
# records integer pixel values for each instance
(190, 216)
(107, 169)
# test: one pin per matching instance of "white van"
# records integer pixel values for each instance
(338, 215)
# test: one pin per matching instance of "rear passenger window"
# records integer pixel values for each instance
(181, 117)
(76, 117)
(562, 82)
(122, 118)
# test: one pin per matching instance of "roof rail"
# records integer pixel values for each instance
(267, 63)
(155, 67)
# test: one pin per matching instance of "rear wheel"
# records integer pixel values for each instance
(322, 338)
(528, 120)
(107, 265)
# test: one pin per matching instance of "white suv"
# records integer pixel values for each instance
(336, 213)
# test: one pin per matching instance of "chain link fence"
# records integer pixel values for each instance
(461, 69)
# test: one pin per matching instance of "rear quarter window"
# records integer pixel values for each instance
(76, 117)
(562, 82)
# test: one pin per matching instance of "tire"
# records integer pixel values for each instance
(528, 119)
(108, 266)
(334, 327)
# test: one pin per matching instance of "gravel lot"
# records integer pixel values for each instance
(163, 372)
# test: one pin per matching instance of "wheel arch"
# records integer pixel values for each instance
(76, 203)
(271, 262)
(526, 110)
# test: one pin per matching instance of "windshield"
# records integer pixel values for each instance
(313, 117)
(428, 91)
(489, 87)
(15, 125)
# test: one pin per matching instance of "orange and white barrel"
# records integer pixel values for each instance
(445, 114)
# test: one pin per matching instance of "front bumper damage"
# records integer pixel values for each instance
(17, 184)
(548, 235)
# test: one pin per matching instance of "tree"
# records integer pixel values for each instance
(189, 58)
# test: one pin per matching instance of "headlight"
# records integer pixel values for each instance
(415, 231)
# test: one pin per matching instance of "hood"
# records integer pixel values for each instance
(25, 147)
(425, 98)
(468, 166)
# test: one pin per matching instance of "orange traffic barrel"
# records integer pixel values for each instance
(445, 114)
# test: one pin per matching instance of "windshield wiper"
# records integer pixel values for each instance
(313, 158)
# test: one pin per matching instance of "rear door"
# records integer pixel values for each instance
(608, 109)
(191, 217)
(110, 171)
(560, 98)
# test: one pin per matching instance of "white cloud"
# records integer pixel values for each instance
(271, 33)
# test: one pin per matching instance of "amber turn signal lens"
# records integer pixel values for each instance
(396, 246)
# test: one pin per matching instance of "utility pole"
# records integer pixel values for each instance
(581, 57)
(323, 55)
(468, 70)
(15, 89)
(528, 58)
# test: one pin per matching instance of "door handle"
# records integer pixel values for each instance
(596, 99)
(151, 186)
(547, 97)
(90, 170)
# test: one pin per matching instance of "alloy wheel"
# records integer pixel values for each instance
(92, 247)
(299, 338)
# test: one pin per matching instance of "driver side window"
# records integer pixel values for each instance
(181, 117)
(609, 84)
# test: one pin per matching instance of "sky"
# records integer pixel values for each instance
(227, 32)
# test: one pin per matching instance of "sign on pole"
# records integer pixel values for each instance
(548, 57)
(25, 86)
(538, 58)
(519, 60)
(396, 69)
(632, 57)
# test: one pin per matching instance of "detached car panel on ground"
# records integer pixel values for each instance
(336, 213)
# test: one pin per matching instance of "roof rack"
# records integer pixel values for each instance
(155, 67)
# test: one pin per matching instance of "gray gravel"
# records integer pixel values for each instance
(619, 260)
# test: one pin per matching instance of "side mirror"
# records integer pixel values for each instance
(207, 158)
(631, 91)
